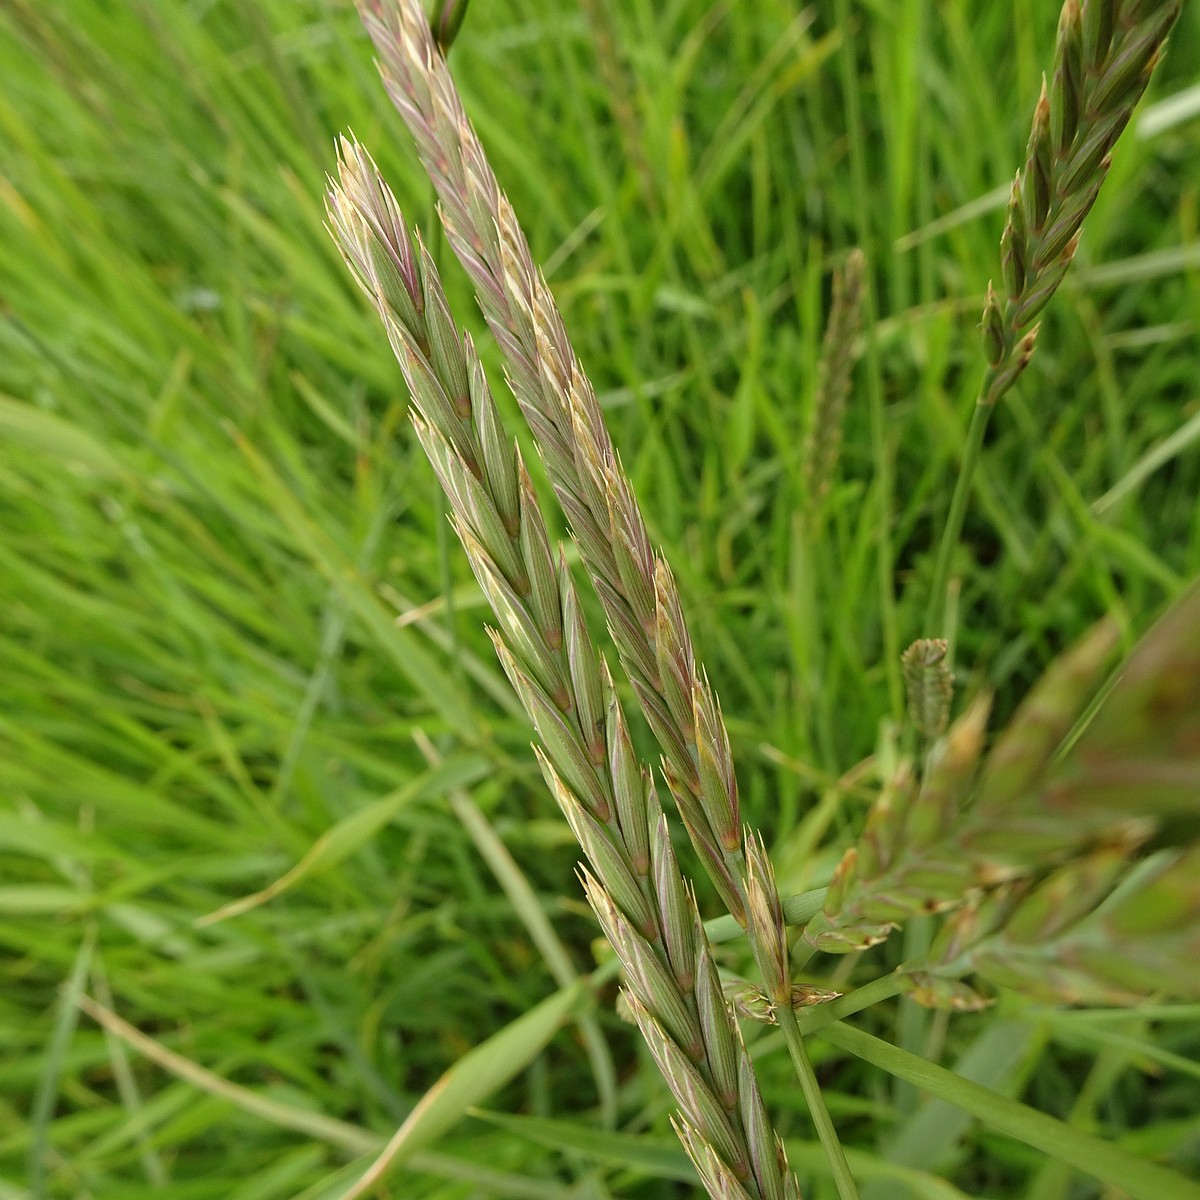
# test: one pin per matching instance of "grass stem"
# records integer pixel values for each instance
(935, 614)
(847, 1189)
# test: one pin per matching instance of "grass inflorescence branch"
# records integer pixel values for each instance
(633, 881)
(1103, 58)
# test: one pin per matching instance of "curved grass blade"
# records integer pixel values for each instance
(354, 831)
(1114, 1167)
(470, 1080)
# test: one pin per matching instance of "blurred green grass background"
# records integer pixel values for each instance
(232, 617)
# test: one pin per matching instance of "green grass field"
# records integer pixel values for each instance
(242, 654)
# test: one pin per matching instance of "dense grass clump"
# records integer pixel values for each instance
(265, 794)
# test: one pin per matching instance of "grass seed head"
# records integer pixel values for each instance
(839, 354)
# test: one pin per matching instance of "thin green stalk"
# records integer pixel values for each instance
(846, 1186)
(50, 1078)
(767, 932)
(885, 553)
(936, 612)
(912, 1019)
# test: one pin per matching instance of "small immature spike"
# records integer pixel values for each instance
(839, 353)
(749, 1001)
(930, 685)
(1102, 61)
